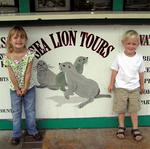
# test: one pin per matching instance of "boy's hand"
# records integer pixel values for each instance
(110, 88)
(141, 89)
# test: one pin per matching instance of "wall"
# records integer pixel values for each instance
(53, 109)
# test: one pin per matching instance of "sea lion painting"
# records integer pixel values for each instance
(45, 76)
(79, 65)
(48, 79)
(79, 84)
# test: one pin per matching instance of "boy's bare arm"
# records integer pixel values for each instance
(141, 77)
(112, 81)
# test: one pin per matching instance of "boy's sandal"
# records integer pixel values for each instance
(121, 133)
(136, 134)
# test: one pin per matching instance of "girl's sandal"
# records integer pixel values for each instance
(136, 135)
(121, 133)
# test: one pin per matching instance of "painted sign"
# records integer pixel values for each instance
(72, 69)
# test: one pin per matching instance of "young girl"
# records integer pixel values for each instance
(128, 79)
(19, 61)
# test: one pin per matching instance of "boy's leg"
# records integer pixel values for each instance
(120, 106)
(29, 107)
(134, 119)
(134, 107)
(16, 104)
(121, 118)
(135, 131)
(121, 130)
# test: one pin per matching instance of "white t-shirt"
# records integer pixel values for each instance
(128, 70)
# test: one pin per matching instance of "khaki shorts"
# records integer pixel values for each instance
(126, 100)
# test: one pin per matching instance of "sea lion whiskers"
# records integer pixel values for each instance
(49, 66)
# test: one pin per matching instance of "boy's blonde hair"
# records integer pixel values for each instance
(15, 30)
(130, 34)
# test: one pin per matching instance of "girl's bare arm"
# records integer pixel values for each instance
(27, 77)
(14, 81)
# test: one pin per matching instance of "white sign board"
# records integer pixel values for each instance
(94, 47)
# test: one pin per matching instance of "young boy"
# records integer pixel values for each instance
(128, 78)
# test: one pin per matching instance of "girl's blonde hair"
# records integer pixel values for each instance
(129, 34)
(15, 30)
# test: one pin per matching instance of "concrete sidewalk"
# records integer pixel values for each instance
(94, 139)
(5, 137)
(27, 142)
(78, 139)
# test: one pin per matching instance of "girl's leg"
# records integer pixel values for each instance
(16, 104)
(29, 107)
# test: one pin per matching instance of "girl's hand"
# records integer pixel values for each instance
(19, 93)
(23, 90)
